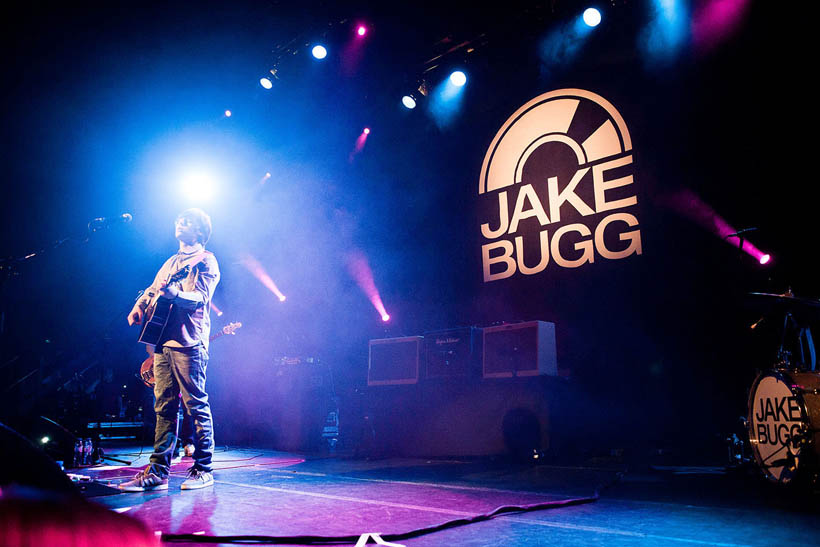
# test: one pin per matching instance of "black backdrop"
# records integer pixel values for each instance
(658, 344)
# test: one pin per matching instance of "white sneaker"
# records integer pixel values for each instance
(145, 481)
(197, 479)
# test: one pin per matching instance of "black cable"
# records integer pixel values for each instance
(335, 540)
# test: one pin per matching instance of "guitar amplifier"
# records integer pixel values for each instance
(394, 361)
(452, 352)
(520, 349)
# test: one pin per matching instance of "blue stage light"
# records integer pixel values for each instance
(592, 17)
(458, 78)
(319, 52)
(197, 186)
(408, 102)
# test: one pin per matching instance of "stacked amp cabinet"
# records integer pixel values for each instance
(519, 349)
(452, 353)
(394, 361)
(464, 392)
(500, 351)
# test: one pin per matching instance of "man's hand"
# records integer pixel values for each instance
(135, 317)
(169, 291)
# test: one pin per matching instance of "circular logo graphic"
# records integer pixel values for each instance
(583, 121)
(776, 426)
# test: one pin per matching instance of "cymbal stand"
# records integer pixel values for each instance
(783, 355)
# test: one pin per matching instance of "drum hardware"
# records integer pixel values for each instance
(784, 402)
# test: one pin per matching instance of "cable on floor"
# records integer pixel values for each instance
(336, 540)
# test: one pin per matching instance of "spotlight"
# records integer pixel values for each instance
(409, 102)
(592, 17)
(44, 440)
(764, 259)
(366, 131)
(198, 185)
(319, 52)
(282, 298)
(361, 30)
(228, 113)
(385, 317)
(266, 83)
(458, 78)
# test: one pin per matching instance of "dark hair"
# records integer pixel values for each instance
(202, 222)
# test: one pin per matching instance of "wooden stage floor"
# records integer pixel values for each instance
(267, 493)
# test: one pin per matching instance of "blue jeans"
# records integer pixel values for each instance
(181, 371)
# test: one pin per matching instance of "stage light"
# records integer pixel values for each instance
(409, 102)
(198, 185)
(689, 205)
(44, 440)
(266, 83)
(359, 269)
(458, 78)
(320, 52)
(366, 131)
(361, 30)
(258, 271)
(267, 175)
(592, 17)
(228, 113)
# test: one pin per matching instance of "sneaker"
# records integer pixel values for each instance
(144, 481)
(189, 450)
(198, 479)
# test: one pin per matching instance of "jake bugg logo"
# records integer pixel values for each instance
(557, 185)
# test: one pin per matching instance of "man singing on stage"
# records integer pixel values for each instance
(181, 355)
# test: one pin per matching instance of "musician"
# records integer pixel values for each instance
(181, 355)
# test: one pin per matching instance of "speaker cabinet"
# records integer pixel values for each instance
(394, 361)
(452, 353)
(520, 349)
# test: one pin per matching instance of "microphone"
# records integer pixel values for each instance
(741, 232)
(101, 223)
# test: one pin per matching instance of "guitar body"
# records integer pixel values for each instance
(147, 367)
(147, 372)
(158, 312)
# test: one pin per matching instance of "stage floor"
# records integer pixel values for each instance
(262, 492)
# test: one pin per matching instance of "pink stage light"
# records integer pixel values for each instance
(689, 205)
(360, 271)
(216, 309)
(258, 271)
(361, 140)
(717, 20)
(361, 30)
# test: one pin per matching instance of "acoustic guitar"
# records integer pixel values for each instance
(147, 367)
(158, 311)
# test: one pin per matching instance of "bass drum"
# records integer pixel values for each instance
(784, 417)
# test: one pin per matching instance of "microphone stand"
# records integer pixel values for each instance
(11, 267)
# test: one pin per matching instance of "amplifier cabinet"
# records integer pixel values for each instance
(452, 353)
(394, 361)
(519, 349)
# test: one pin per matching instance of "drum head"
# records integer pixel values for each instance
(777, 426)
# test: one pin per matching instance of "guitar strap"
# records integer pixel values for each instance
(199, 258)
